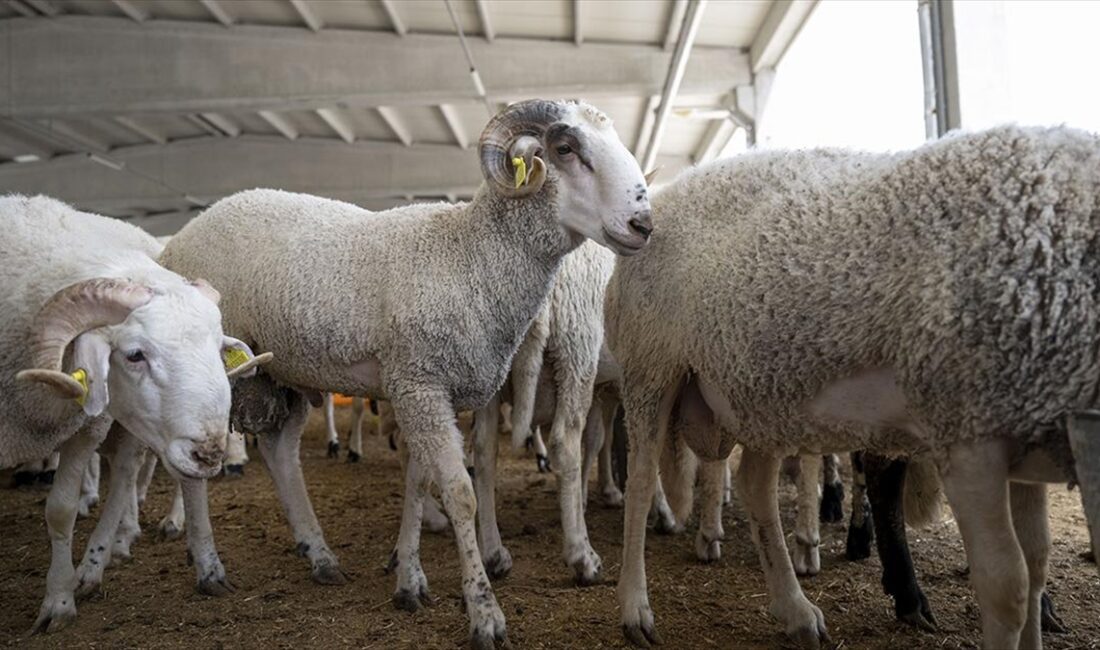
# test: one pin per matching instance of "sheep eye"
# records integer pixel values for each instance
(136, 356)
(564, 150)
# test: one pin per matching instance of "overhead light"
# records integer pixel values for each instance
(26, 158)
(106, 162)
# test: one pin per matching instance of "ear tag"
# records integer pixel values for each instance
(81, 377)
(234, 357)
(521, 170)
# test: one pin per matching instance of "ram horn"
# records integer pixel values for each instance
(69, 313)
(517, 132)
(1084, 440)
(258, 360)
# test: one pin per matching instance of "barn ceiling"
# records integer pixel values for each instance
(151, 109)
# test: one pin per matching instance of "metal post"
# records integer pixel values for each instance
(940, 66)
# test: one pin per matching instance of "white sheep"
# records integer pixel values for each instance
(422, 305)
(941, 299)
(94, 331)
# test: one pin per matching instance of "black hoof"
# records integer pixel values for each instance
(832, 503)
(1051, 622)
(333, 449)
(544, 463)
(408, 600)
(234, 471)
(860, 539)
(216, 587)
(664, 526)
(499, 566)
(641, 636)
(485, 641)
(23, 478)
(353, 457)
(915, 611)
(329, 574)
(583, 578)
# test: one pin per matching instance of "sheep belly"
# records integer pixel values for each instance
(869, 397)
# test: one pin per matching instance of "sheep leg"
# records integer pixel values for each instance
(129, 526)
(526, 367)
(570, 413)
(665, 522)
(209, 571)
(727, 484)
(592, 443)
(236, 455)
(1029, 519)
(89, 487)
(542, 457)
(280, 453)
(355, 438)
(610, 494)
(145, 477)
(432, 517)
(885, 486)
(330, 427)
(125, 457)
(976, 483)
(806, 552)
(495, 556)
(860, 530)
(172, 525)
(428, 426)
(757, 480)
(647, 418)
(832, 494)
(708, 541)
(59, 606)
(412, 584)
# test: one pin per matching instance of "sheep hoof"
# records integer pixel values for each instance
(612, 497)
(708, 549)
(353, 456)
(333, 449)
(806, 558)
(543, 463)
(329, 574)
(666, 525)
(168, 530)
(586, 570)
(915, 611)
(234, 471)
(1051, 622)
(88, 586)
(859, 541)
(216, 587)
(410, 600)
(56, 614)
(812, 637)
(487, 628)
(832, 503)
(642, 636)
(499, 565)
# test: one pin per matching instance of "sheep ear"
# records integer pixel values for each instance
(651, 175)
(239, 360)
(91, 364)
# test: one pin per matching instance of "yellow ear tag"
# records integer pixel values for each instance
(521, 170)
(234, 357)
(81, 378)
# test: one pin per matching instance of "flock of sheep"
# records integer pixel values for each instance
(933, 310)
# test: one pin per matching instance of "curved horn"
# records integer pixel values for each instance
(517, 131)
(258, 360)
(71, 312)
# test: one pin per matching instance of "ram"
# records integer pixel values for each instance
(94, 332)
(422, 305)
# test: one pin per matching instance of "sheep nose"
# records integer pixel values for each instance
(642, 223)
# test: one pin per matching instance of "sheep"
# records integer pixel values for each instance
(817, 301)
(423, 305)
(142, 345)
(904, 491)
(355, 437)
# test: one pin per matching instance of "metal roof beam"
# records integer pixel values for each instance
(395, 18)
(218, 12)
(779, 29)
(309, 17)
(103, 77)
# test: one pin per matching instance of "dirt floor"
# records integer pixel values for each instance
(151, 602)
